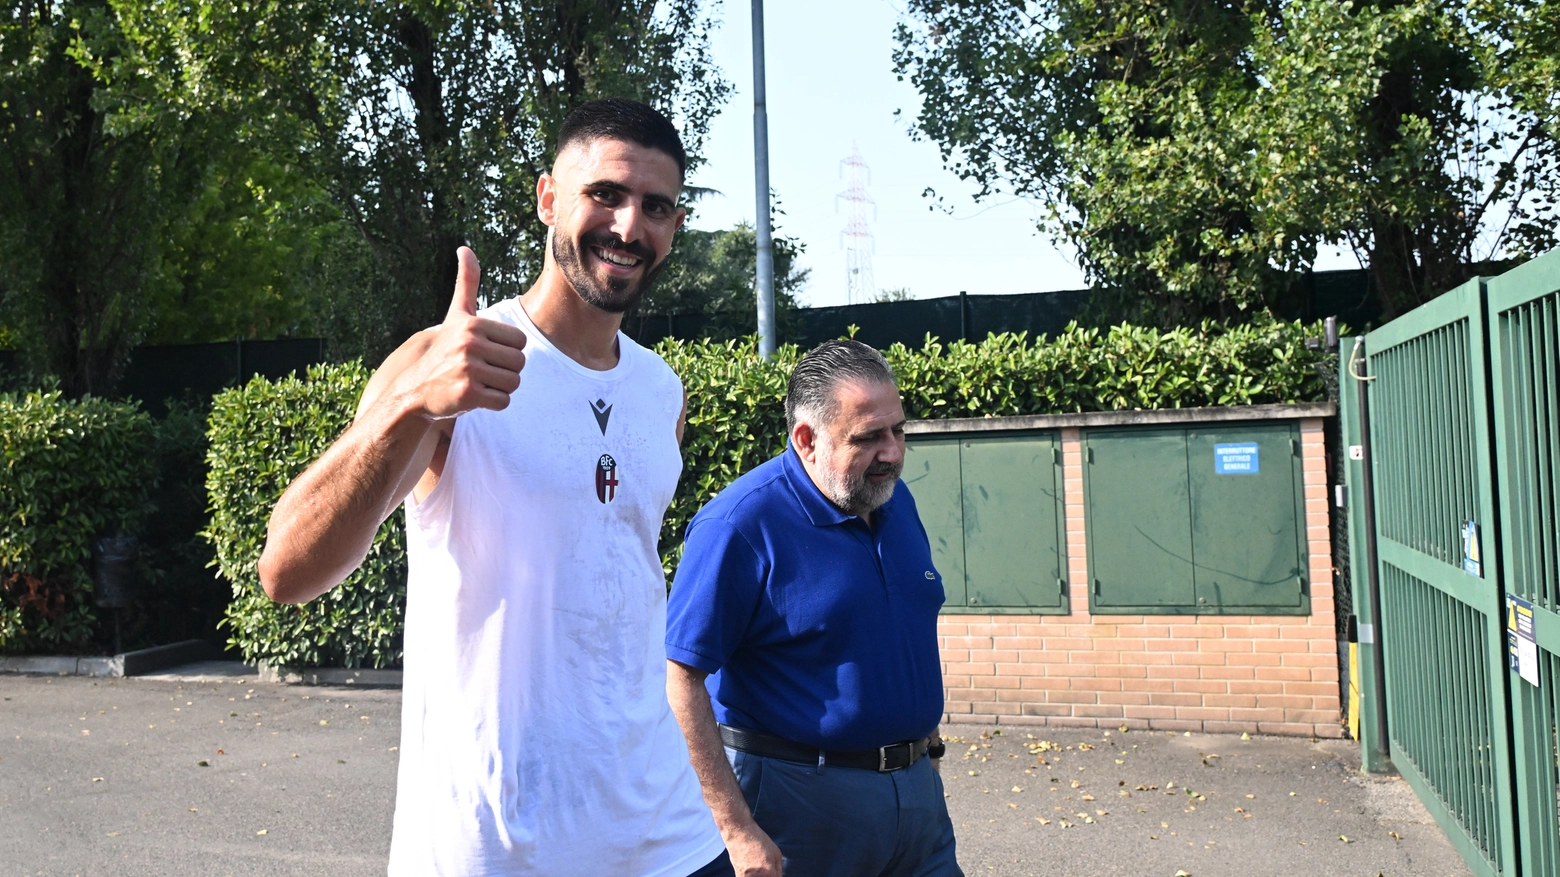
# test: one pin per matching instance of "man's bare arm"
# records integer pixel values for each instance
(324, 524)
(753, 854)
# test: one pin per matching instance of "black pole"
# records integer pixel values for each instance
(1372, 569)
(964, 316)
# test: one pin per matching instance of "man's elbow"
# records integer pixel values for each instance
(281, 584)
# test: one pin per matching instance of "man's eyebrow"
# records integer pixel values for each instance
(650, 197)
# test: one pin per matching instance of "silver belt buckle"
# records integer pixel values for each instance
(883, 759)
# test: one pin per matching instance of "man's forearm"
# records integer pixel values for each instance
(691, 704)
(324, 524)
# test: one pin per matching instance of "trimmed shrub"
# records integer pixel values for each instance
(73, 471)
(264, 434)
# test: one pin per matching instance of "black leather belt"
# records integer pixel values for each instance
(896, 756)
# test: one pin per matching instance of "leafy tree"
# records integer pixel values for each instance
(426, 122)
(1197, 154)
(124, 218)
(713, 273)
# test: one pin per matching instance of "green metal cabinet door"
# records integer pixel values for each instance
(1139, 523)
(1012, 533)
(1247, 508)
(932, 474)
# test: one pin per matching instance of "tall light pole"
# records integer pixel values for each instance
(765, 279)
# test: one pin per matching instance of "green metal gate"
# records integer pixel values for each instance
(1464, 456)
(1525, 380)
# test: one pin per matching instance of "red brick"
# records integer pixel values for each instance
(1148, 712)
(1255, 659)
(1313, 659)
(1122, 671)
(1183, 671)
(1203, 713)
(1290, 729)
(1098, 711)
(1202, 686)
(1259, 714)
(1255, 687)
(1231, 700)
(1279, 645)
(1046, 709)
(1227, 672)
(1225, 645)
(1073, 697)
(1124, 697)
(1230, 727)
(1203, 658)
(1314, 689)
(1170, 645)
(1172, 699)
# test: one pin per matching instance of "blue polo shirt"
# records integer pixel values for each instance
(814, 626)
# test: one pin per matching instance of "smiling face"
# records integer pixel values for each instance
(612, 208)
(856, 459)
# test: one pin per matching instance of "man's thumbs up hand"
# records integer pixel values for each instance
(471, 362)
(468, 279)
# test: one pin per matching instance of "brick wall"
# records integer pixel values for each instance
(1232, 673)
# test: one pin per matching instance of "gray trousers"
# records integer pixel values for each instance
(846, 822)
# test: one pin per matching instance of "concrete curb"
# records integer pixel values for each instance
(136, 663)
(360, 678)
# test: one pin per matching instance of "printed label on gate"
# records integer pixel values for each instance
(1235, 459)
(1520, 640)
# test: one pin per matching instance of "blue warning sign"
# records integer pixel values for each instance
(1238, 459)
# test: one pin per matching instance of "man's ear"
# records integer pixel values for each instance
(547, 199)
(805, 441)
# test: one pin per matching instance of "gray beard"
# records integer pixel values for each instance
(858, 496)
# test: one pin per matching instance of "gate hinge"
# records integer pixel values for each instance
(1096, 587)
(1090, 454)
(1056, 456)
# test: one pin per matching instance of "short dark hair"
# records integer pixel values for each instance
(821, 372)
(618, 118)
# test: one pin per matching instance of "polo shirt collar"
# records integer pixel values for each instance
(814, 504)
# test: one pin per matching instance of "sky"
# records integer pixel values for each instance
(831, 85)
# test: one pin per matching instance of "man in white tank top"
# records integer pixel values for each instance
(536, 604)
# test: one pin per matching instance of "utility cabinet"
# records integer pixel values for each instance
(1207, 518)
(992, 510)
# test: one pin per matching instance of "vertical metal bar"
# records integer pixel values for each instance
(1381, 752)
(765, 266)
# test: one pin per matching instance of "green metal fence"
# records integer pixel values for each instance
(1524, 320)
(1442, 628)
(1464, 453)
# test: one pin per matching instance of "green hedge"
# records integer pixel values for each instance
(70, 472)
(262, 435)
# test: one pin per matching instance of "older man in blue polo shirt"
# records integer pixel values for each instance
(805, 608)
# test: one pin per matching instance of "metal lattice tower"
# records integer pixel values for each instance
(857, 236)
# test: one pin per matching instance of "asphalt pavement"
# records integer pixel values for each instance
(204, 772)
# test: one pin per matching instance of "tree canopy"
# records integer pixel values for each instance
(1197, 154)
(176, 170)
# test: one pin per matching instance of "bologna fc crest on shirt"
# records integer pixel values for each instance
(606, 478)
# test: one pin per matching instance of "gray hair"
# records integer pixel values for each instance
(812, 390)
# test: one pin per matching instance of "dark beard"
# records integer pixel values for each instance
(616, 296)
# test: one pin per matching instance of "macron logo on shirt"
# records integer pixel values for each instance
(603, 411)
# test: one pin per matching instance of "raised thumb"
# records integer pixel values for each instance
(467, 278)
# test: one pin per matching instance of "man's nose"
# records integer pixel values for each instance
(628, 222)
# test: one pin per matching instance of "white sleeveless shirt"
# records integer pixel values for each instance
(536, 738)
